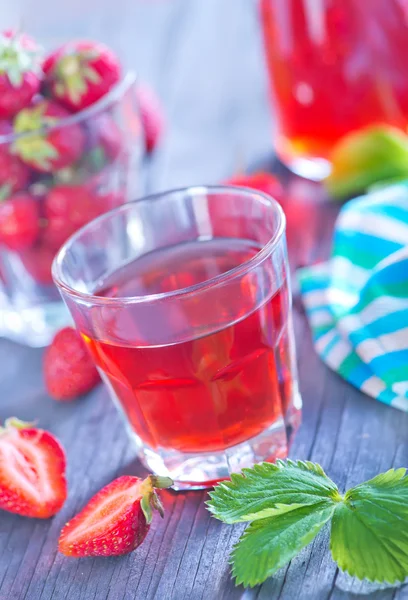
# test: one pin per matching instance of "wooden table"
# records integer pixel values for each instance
(204, 58)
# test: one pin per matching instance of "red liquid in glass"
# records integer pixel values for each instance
(335, 66)
(211, 392)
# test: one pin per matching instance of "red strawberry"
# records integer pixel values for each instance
(80, 72)
(105, 137)
(38, 261)
(68, 367)
(19, 221)
(151, 115)
(20, 72)
(32, 471)
(13, 173)
(116, 520)
(52, 149)
(262, 181)
(66, 209)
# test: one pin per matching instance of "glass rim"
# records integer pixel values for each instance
(239, 270)
(114, 94)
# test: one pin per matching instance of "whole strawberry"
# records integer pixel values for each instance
(19, 221)
(66, 209)
(32, 471)
(20, 72)
(37, 261)
(104, 140)
(119, 529)
(68, 367)
(47, 147)
(262, 181)
(14, 174)
(80, 72)
(151, 116)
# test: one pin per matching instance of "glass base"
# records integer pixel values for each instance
(314, 169)
(33, 326)
(199, 471)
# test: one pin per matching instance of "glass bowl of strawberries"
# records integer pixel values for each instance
(71, 140)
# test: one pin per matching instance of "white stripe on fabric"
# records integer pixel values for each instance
(336, 356)
(400, 388)
(368, 350)
(321, 317)
(401, 403)
(324, 297)
(323, 341)
(388, 342)
(380, 307)
(343, 267)
(373, 386)
(380, 226)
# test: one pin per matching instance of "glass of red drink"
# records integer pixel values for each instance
(334, 66)
(184, 302)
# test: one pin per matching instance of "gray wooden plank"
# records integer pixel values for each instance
(204, 59)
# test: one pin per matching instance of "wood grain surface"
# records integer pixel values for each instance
(204, 59)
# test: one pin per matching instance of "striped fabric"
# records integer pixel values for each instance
(357, 302)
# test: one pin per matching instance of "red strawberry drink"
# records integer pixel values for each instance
(65, 154)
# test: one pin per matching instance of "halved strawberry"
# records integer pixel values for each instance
(32, 470)
(116, 520)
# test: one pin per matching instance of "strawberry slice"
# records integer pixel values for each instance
(116, 520)
(32, 470)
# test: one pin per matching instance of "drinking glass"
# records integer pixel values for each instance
(61, 201)
(334, 66)
(184, 302)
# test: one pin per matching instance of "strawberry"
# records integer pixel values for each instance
(262, 181)
(151, 116)
(105, 136)
(66, 209)
(51, 149)
(32, 471)
(68, 367)
(19, 221)
(14, 175)
(80, 72)
(116, 520)
(38, 261)
(20, 72)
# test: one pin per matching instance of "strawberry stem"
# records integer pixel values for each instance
(150, 500)
(14, 422)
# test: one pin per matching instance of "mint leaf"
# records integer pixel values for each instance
(271, 489)
(289, 502)
(269, 544)
(369, 535)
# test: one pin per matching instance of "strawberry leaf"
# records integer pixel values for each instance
(271, 489)
(269, 544)
(369, 535)
(92, 74)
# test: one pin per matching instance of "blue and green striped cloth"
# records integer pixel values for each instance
(357, 302)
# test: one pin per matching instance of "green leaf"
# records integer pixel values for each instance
(369, 535)
(269, 544)
(92, 74)
(271, 489)
(365, 157)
